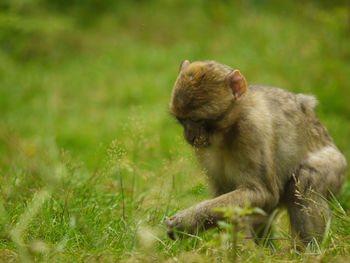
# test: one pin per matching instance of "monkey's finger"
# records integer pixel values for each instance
(171, 234)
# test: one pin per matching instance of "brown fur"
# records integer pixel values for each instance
(263, 147)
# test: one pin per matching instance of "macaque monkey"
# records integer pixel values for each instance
(260, 146)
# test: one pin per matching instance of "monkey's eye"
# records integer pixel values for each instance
(197, 120)
(181, 121)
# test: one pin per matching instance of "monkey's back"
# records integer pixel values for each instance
(288, 127)
(293, 114)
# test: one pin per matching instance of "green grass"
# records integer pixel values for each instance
(81, 102)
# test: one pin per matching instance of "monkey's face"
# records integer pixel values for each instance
(203, 95)
(197, 132)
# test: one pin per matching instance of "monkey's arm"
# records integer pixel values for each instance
(202, 215)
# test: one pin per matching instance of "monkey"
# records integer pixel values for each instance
(260, 146)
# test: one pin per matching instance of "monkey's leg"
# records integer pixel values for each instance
(203, 215)
(307, 212)
(321, 173)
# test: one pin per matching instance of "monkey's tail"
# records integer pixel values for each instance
(308, 101)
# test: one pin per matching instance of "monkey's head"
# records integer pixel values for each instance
(204, 94)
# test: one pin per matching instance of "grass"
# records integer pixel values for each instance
(83, 106)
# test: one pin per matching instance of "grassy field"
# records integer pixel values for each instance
(83, 106)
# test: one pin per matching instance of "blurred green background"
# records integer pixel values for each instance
(84, 88)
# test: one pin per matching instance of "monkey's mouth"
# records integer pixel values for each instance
(200, 142)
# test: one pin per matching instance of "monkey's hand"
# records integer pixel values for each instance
(183, 221)
(191, 220)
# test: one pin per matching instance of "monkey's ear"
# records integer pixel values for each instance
(184, 65)
(237, 83)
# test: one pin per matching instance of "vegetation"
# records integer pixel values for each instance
(90, 160)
